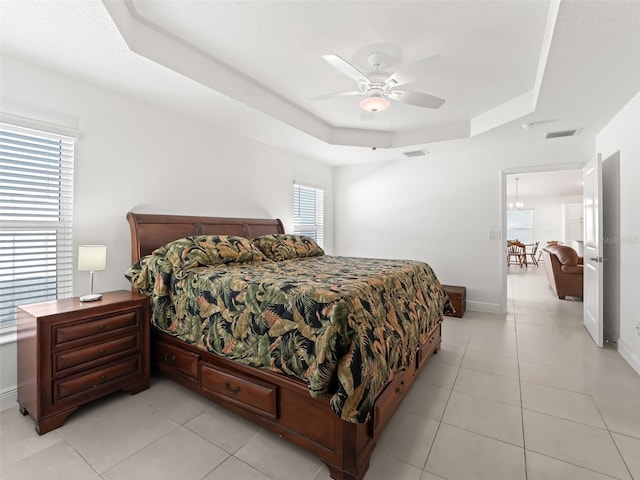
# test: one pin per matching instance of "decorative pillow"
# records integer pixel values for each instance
(151, 275)
(208, 250)
(278, 247)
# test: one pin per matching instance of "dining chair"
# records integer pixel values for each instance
(516, 254)
(530, 252)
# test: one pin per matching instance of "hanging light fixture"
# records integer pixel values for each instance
(517, 205)
(375, 103)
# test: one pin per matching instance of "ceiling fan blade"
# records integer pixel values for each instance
(418, 99)
(346, 68)
(336, 95)
(416, 70)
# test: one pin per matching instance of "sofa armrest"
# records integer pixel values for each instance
(572, 269)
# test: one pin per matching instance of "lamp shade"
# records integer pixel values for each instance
(374, 103)
(92, 258)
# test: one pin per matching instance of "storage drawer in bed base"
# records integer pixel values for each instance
(428, 348)
(176, 362)
(283, 405)
(246, 392)
(389, 400)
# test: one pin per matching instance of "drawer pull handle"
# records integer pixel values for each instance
(101, 326)
(170, 359)
(400, 388)
(102, 379)
(231, 391)
(102, 351)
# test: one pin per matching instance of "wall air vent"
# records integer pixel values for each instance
(563, 133)
(415, 153)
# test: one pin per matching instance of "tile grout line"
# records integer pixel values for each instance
(615, 444)
(604, 422)
(65, 440)
(582, 467)
(445, 406)
(572, 363)
(524, 443)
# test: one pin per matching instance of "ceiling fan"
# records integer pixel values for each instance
(379, 86)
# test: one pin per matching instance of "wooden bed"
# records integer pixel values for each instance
(278, 403)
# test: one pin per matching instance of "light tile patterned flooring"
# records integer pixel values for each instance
(526, 396)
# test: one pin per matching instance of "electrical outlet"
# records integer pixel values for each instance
(494, 235)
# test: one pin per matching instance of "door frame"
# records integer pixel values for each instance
(593, 311)
(503, 211)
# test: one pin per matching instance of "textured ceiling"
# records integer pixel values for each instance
(252, 67)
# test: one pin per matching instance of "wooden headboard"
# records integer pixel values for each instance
(149, 231)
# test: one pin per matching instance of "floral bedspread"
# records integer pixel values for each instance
(345, 326)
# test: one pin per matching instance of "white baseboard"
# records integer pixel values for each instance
(8, 397)
(483, 307)
(629, 355)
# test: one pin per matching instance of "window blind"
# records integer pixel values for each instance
(36, 212)
(308, 212)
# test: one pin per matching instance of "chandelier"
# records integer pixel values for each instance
(517, 205)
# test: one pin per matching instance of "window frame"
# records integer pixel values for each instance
(521, 226)
(314, 229)
(36, 198)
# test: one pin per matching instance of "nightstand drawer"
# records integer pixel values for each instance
(173, 361)
(254, 395)
(64, 389)
(66, 333)
(104, 351)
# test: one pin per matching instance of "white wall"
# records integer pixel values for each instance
(621, 135)
(440, 209)
(134, 156)
(547, 216)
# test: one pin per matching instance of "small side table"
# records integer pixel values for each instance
(458, 297)
(70, 353)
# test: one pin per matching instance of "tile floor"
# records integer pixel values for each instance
(522, 396)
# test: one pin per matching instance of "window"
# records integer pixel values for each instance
(308, 212)
(36, 202)
(520, 225)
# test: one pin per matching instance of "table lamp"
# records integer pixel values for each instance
(90, 259)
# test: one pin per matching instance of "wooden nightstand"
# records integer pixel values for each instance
(70, 353)
(458, 297)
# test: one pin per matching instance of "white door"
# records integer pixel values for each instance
(592, 304)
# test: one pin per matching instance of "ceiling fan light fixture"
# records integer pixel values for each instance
(374, 104)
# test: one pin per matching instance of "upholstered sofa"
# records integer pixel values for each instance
(564, 270)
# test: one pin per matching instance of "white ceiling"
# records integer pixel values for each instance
(253, 66)
(561, 183)
(280, 45)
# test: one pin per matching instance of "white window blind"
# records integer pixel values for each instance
(36, 202)
(308, 212)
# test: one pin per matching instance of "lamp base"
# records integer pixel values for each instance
(92, 297)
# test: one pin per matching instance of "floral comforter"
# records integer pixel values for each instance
(345, 326)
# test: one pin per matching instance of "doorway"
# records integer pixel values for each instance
(553, 196)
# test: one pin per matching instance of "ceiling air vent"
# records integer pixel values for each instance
(415, 153)
(563, 133)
